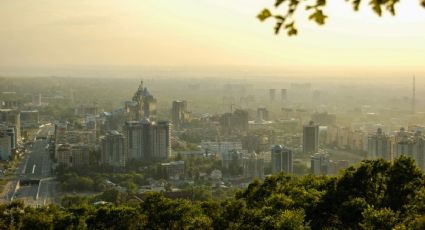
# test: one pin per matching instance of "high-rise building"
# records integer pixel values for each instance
(253, 166)
(5, 146)
(238, 121)
(179, 114)
(11, 118)
(411, 144)
(319, 164)
(262, 114)
(146, 140)
(379, 146)
(311, 138)
(112, 149)
(36, 99)
(142, 105)
(282, 159)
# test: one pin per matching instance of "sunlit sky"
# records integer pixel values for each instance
(208, 33)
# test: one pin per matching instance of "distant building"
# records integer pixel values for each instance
(379, 146)
(324, 119)
(8, 132)
(174, 170)
(36, 99)
(335, 167)
(179, 113)
(282, 159)
(80, 136)
(73, 155)
(263, 114)
(86, 110)
(236, 122)
(146, 140)
(231, 158)
(142, 105)
(220, 147)
(311, 138)
(253, 166)
(112, 149)
(30, 119)
(319, 164)
(11, 118)
(5, 146)
(411, 144)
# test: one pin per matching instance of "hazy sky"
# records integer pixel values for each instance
(208, 33)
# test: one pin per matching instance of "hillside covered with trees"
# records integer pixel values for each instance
(372, 195)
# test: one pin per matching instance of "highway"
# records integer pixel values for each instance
(36, 170)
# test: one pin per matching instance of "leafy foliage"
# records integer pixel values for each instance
(286, 19)
(373, 195)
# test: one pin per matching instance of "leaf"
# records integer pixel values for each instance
(278, 3)
(265, 14)
(318, 17)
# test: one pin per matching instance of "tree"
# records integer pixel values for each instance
(286, 20)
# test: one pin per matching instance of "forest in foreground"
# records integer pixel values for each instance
(371, 195)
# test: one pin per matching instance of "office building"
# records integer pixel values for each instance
(146, 140)
(179, 113)
(379, 146)
(319, 164)
(282, 159)
(5, 146)
(311, 138)
(112, 149)
(11, 118)
(253, 166)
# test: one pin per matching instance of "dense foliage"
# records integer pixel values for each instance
(373, 195)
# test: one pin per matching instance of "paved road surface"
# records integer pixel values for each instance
(37, 165)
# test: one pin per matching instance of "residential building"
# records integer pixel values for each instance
(379, 146)
(112, 149)
(179, 113)
(146, 140)
(320, 164)
(311, 138)
(253, 166)
(282, 159)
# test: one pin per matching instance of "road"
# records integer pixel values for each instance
(34, 172)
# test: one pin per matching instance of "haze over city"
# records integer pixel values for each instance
(212, 114)
(97, 35)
